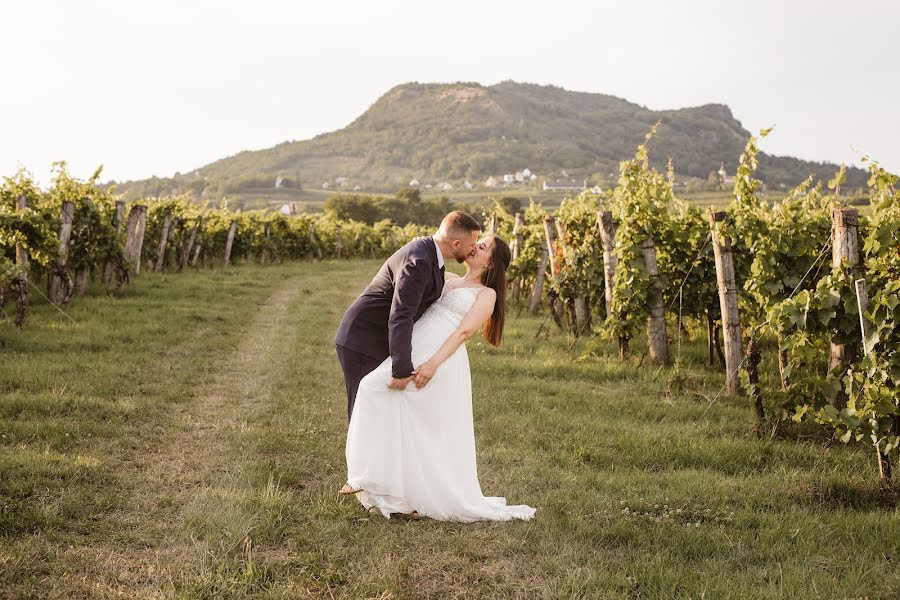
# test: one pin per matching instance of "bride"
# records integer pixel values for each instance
(412, 451)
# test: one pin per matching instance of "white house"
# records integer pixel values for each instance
(490, 182)
(325, 185)
(444, 186)
(725, 180)
(533, 178)
(468, 184)
(526, 172)
(520, 176)
(342, 181)
(509, 178)
(356, 188)
(413, 182)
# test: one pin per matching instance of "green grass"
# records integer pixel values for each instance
(186, 440)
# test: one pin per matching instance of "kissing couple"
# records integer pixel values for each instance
(401, 344)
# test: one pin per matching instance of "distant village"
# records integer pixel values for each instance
(718, 180)
(564, 183)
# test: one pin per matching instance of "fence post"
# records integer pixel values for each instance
(608, 238)
(728, 301)
(844, 247)
(59, 286)
(229, 242)
(657, 340)
(163, 240)
(516, 249)
(134, 237)
(22, 279)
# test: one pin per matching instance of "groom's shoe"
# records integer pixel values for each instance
(348, 490)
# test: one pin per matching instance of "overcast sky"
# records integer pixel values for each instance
(151, 88)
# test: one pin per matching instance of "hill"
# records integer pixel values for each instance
(468, 132)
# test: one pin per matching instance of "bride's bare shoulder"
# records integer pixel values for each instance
(489, 294)
(448, 276)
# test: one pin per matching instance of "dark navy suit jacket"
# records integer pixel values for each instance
(380, 322)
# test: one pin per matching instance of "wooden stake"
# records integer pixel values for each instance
(163, 240)
(844, 248)
(186, 253)
(516, 249)
(229, 242)
(134, 237)
(657, 340)
(110, 268)
(22, 279)
(608, 238)
(81, 281)
(538, 289)
(728, 302)
(59, 285)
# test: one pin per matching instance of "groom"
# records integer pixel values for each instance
(380, 322)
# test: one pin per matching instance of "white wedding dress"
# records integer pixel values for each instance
(414, 449)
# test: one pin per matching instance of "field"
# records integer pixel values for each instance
(186, 440)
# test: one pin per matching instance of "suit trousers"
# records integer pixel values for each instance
(355, 366)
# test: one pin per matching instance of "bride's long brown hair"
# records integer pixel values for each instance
(494, 277)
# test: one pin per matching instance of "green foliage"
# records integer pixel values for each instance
(830, 313)
(640, 204)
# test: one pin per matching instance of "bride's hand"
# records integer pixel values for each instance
(424, 374)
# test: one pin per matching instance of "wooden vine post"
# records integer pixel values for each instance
(516, 249)
(579, 311)
(728, 302)
(186, 251)
(657, 340)
(59, 285)
(229, 242)
(844, 248)
(196, 257)
(22, 279)
(608, 238)
(556, 309)
(134, 237)
(163, 240)
(81, 281)
(314, 240)
(539, 277)
(110, 268)
(338, 248)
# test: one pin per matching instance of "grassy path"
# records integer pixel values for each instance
(186, 440)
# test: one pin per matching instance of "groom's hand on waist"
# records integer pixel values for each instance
(399, 384)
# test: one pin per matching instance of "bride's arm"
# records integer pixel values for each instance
(473, 321)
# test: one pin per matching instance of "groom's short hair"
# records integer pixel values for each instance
(458, 223)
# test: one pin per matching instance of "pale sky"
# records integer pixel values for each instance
(151, 88)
